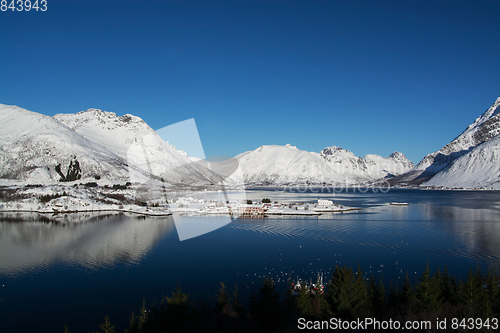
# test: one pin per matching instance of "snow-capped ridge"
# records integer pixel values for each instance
(479, 168)
(34, 144)
(279, 165)
(182, 152)
(333, 150)
(116, 147)
(484, 128)
(397, 155)
(99, 116)
(106, 147)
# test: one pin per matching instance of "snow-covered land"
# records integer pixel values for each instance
(103, 146)
(333, 165)
(32, 145)
(479, 168)
(95, 145)
(61, 199)
(441, 167)
(135, 141)
(99, 146)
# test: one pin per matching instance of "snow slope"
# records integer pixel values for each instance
(479, 168)
(369, 168)
(132, 139)
(286, 164)
(126, 148)
(33, 144)
(379, 166)
(106, 147)
(483, 129)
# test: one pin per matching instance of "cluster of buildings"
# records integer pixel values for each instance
(255, 208)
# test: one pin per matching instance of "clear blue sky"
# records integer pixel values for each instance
(369, 76)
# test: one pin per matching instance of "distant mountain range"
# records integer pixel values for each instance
(333, 165)
(93, 145)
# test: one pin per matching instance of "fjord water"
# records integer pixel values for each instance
(80, 268)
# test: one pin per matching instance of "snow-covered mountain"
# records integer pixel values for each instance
(371, 167)
(333, 165)
(32, 145)
(132, 139)
(96, 144)
(100, 144)
(479, 168)
(484, 128)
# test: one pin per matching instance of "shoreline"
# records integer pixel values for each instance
(56, 212)
(170, 212)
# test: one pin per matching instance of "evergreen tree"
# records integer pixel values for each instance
(133, 324)
(304, 301)
(143, 317)
(237, 304)
(473, 293)
(265, 306)
(347, 294)
(492, 294)
(360, 294)
(226, 317)
(449, 287)
(155, 317)
(394, 295)
(289, 306)
(428, 293)
(222, 300)
(202, 315)
(377, 297)
(179, 310)
(107, 327)
(66, 329)
(407, 294)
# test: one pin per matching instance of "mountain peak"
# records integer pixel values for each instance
(332, 150)
(98, 112)
(398, 155)
(91, 115)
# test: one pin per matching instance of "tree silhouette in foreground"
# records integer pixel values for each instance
(348, 296)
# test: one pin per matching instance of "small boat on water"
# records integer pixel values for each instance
(311, 288)
(399, 203)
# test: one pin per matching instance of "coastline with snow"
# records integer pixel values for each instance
(65, 199)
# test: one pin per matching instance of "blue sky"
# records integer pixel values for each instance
(369, 76)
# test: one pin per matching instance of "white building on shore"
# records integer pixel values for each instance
(322, 202)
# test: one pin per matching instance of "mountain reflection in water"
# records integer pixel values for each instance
(83, 239)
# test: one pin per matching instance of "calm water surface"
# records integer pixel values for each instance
(84, 267)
